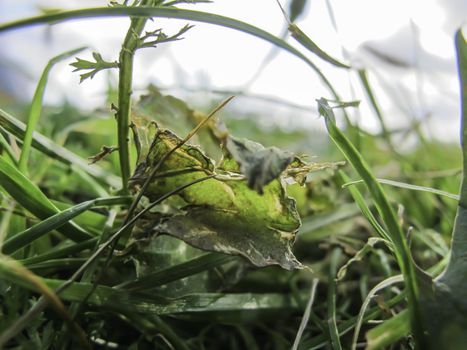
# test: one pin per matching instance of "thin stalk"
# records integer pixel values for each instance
(306, 315)
(332, 293)
(129, 47)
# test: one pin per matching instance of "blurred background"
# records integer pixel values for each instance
(406, 46)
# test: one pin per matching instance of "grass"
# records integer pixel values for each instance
(83, 263)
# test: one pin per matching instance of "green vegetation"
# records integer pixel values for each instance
(195, 237)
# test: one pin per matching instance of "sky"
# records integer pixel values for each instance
(406, 46)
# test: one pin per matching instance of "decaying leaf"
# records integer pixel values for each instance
(244, 210)
(260, 165)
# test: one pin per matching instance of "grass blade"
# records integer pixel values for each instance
(31, 197)
(53, 222)
(388, 332)
(5, 146)
(125, 301)
(374, 104)
(346, 326)
(387, 282)
(387, 213)
(61, 252)
(55, 151)
(173, 273)
(306, 315)
(311, 46)
(36, 107)
(358, 198)
(165, 12)
(409, 187)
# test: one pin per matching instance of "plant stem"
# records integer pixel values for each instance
(129, 47)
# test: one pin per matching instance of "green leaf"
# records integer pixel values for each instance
(93, 67)
(31, 198)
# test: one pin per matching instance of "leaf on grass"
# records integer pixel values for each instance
(221, 214)
(244, 210)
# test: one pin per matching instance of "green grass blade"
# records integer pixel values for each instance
(55, 151)
(388, 215)
(389, 332)
(61, 252)
(358, 198)
(311, 46)
(347, 325)
(36, 107)
(374, 103)
(409, 187)
(31, 198)
(53, 222)
(173, 273)
(164, 12)
(317, 221)
(125, 301)
(7, 148)
(55, 265)
(387, 282)
(154, 12)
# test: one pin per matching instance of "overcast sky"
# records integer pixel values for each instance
(418, 35)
